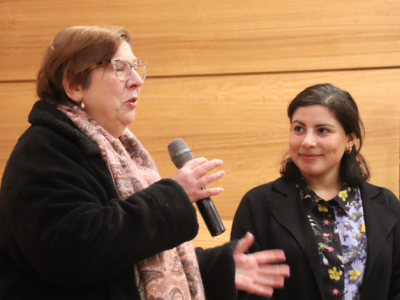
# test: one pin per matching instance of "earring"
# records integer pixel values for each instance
(82, 104)
(348, 150)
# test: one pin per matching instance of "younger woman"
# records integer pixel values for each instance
(340, 234)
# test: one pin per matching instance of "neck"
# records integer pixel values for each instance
(326, 187)
(115, 131)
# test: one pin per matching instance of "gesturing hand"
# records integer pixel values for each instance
(192, 177)
(257, 273)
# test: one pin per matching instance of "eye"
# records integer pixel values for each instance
(120, 66)
(298, 128)
(323, 130)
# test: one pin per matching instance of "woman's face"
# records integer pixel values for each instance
(110, 102)
(317, 142)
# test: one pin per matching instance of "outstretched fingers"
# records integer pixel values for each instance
(203, 167)
(244, 244)
(274, 270)
(193, 163)
(200, 170)
(269, 257)
(205, 193)
(261, 290)
(258, 273)
(193, 178)
(272, 276)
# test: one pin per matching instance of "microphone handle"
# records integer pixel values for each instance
(210, 216)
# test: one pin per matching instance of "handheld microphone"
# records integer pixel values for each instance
(180, 154)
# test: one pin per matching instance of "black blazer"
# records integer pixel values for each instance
(273, 213)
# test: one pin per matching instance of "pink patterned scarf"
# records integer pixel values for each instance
(172, 274)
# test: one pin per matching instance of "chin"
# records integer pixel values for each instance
(308, 172)
(130, 118)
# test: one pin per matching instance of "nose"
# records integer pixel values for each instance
(309, 140)
(134, 80)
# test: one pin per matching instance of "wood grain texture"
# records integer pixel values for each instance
(205, 240)
(240, 119)
(16, 100)
(182, 37)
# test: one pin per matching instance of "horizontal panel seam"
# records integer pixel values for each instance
(242, 73)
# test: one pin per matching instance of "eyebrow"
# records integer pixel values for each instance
(132, 62)
(318, 125)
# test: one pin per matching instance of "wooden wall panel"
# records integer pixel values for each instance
(181, 37)
(240, 119)
(16, 100)
(221, 73)
(205, 240)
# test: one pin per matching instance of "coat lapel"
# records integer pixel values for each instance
(289, 212)
(379, 221)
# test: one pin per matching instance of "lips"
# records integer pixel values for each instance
(310, 157)
(131, 102)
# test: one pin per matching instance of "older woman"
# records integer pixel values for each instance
(83, 211)
(340, 235)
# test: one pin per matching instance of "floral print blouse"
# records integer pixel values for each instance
(340, 233)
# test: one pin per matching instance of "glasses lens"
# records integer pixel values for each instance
(141, 69)
(122, 70)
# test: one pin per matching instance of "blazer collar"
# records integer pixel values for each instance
(379, 221)
(289, 212)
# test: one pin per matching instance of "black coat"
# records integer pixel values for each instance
(274, 213)
(64, 232)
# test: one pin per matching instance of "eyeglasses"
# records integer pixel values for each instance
(123, 68)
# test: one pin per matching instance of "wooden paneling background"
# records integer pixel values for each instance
(221, 74)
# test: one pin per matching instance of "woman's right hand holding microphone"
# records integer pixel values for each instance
(192, 177)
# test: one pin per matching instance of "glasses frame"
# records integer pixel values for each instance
(133, 66)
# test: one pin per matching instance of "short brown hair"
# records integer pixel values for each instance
(72, 54)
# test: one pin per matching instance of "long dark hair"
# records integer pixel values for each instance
(353, 167)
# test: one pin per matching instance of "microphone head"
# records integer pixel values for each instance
(179, 152)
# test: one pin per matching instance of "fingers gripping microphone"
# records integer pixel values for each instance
(180, 154)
